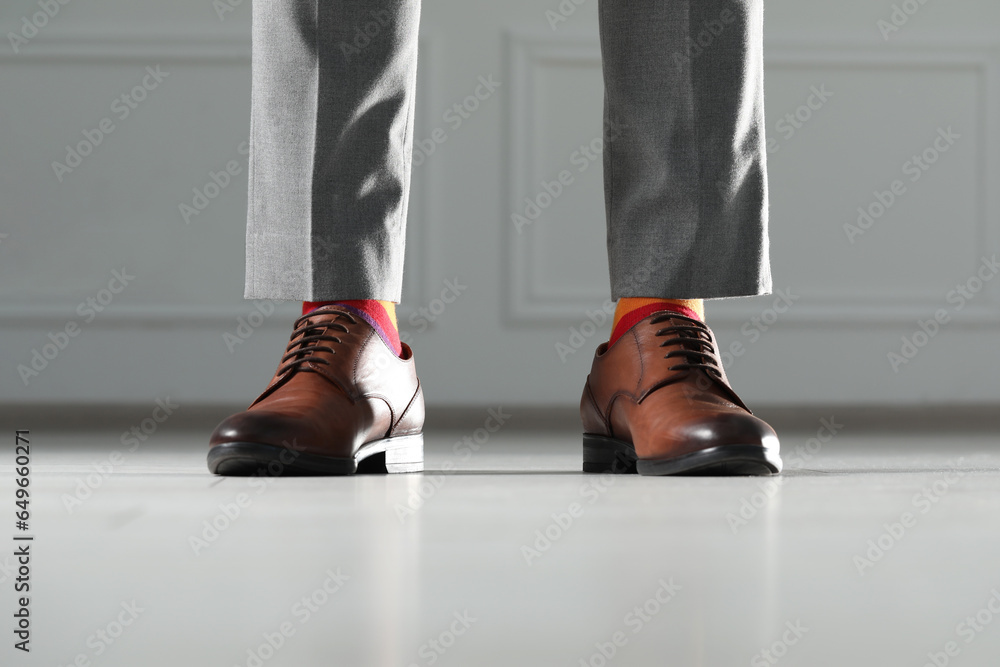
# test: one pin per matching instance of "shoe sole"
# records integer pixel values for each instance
(388, 455)
(608, 455)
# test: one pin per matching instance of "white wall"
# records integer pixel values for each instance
(163, 334)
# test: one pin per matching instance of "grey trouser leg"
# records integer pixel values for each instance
(684, 160)
(684, 157)
(331, 139)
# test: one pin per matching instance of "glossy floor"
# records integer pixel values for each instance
(869, 550)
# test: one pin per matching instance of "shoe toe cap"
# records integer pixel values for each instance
(260, 427)
(730, 428)
(670, 435)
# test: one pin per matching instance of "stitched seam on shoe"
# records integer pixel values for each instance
(357, 359)
(611, 402)
(407, 408)
(392, 413)
(614, 398)
(597, 409)
(642, 365)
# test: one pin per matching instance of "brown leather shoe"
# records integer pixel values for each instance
(339, 397)
(657, 402)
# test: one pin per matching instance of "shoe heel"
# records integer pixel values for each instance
(607, 455)
(405, 453)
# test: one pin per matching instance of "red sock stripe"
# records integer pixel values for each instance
(631, 318)
(309, 306)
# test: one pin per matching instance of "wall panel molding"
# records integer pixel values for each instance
(227, 47)
(92, 45)
(532, 303)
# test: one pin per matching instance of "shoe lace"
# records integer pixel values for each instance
(307, 338)
(695, 343)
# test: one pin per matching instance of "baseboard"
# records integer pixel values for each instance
(39, 418)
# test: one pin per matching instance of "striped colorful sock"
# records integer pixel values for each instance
(381, 315)
(630, 311)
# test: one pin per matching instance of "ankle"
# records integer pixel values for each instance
(381, 315)
(630, 310)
